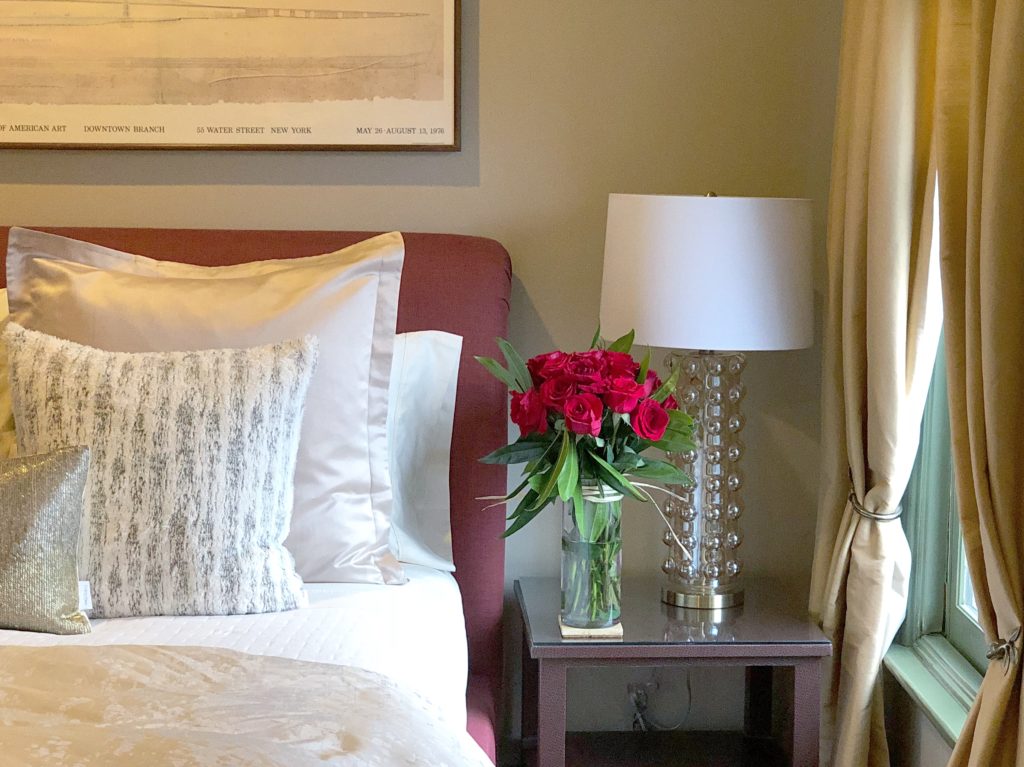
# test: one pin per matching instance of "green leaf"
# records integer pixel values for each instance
(516, 366)
(612, 476)
(680, 423)
(674, 443)
(597, 337)
(522, 450)
(645, 365)
(525, 502)
(600, 522)
(668, 387)
(680, 427)
(521, 522)
(678, 420)
(569, 477)
(681, 419)
(518, 490)
(495, 369)
(623, 344)
(626, 462)
(577, 507)
(522, 517)
(538, 465)
(551, 478)
(662, 471)
(679, 433)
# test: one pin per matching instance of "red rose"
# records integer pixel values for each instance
(650, 420)
(670, 403)
(589, 371)
(545, 366)
(651, 384)
(621, 364)
(623, 394)
(555, 391)
(529, 413)
(583, 414)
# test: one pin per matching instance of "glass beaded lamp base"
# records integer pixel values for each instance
(704, 573)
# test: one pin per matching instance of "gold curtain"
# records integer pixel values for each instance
(883, 322)
(980, 149)
(926, 89)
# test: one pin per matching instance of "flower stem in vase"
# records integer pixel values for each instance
(591, 560)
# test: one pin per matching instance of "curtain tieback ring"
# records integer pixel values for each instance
(875, 515)
(1005, 650)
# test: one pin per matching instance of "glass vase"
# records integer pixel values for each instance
(592, 558)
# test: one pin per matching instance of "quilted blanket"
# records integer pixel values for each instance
(184, 706)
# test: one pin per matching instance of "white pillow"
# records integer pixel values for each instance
(421, 412)
(348, 299)
(190, 482)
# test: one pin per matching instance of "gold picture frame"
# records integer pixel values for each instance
(230, 74)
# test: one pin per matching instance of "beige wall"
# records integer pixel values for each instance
(563, 103)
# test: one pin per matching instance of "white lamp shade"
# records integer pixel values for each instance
(722, 273)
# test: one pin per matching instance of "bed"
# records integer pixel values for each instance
(437, 637)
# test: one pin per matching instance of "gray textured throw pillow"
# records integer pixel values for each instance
(189, 494)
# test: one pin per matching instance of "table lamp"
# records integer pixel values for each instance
(712, 277)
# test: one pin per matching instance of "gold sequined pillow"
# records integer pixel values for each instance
(41, 500)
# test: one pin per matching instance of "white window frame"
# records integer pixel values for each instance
(940, 649)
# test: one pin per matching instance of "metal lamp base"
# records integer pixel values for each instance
(701, 600)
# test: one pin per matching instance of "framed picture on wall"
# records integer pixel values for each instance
(230, 74)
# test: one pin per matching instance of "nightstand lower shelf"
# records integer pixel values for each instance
(668, 749)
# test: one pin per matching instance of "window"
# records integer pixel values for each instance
(933, 528)
(962, 628)
(941, 647)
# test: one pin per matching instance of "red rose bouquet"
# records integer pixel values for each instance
(586, 419)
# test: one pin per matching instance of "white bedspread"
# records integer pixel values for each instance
(201, 707)
(415, 634)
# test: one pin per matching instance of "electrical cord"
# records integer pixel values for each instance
(639, 700)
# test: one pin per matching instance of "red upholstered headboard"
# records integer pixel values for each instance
(450, 282)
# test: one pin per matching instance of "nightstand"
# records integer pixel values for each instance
(770, 631)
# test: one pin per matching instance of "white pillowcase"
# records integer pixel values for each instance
(421, 413)
(190, 482)
(349, 299)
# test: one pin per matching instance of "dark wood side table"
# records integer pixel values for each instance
(770, 630)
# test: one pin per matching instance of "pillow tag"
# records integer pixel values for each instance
(84, 596)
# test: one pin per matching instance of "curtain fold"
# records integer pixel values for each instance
(931, 94)
(980, 150)
(882, 329)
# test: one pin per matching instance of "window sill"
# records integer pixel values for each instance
(938, 679)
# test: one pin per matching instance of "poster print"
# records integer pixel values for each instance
(286, 74)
